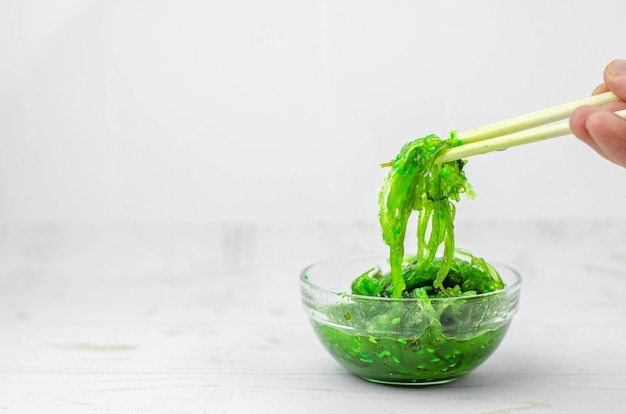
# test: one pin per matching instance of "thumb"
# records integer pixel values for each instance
(615, 78)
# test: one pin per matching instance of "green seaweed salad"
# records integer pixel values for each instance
(417, 183)
(425, 340)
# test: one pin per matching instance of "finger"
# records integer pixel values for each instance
(615, 78)
(577, 124)
(608, 131)
(600, 89)
(578, 121)
(614, 106)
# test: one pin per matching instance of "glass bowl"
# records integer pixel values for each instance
(404, 341)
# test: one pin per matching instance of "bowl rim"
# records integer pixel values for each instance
(305, 282)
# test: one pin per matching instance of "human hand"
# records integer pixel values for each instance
(599, 127)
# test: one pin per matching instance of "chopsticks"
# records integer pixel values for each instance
(521, 130)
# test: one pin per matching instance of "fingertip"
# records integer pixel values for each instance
(600, 89)
(578, 119)
(615, 78)
(616, 68)
(578, 125)
(595, 123)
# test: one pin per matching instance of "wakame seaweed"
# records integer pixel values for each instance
(416, 183)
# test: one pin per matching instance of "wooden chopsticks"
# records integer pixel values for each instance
(521, 130)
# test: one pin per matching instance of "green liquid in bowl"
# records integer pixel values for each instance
(429, 358)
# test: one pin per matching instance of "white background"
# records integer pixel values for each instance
(277, 110)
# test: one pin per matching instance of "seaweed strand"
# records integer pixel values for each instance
(415, 183)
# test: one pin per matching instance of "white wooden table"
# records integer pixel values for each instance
(207, 319)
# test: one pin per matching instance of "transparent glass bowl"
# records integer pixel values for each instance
(404, 341)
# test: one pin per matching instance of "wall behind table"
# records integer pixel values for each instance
(133, 111)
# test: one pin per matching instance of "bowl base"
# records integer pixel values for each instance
(410, 384)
